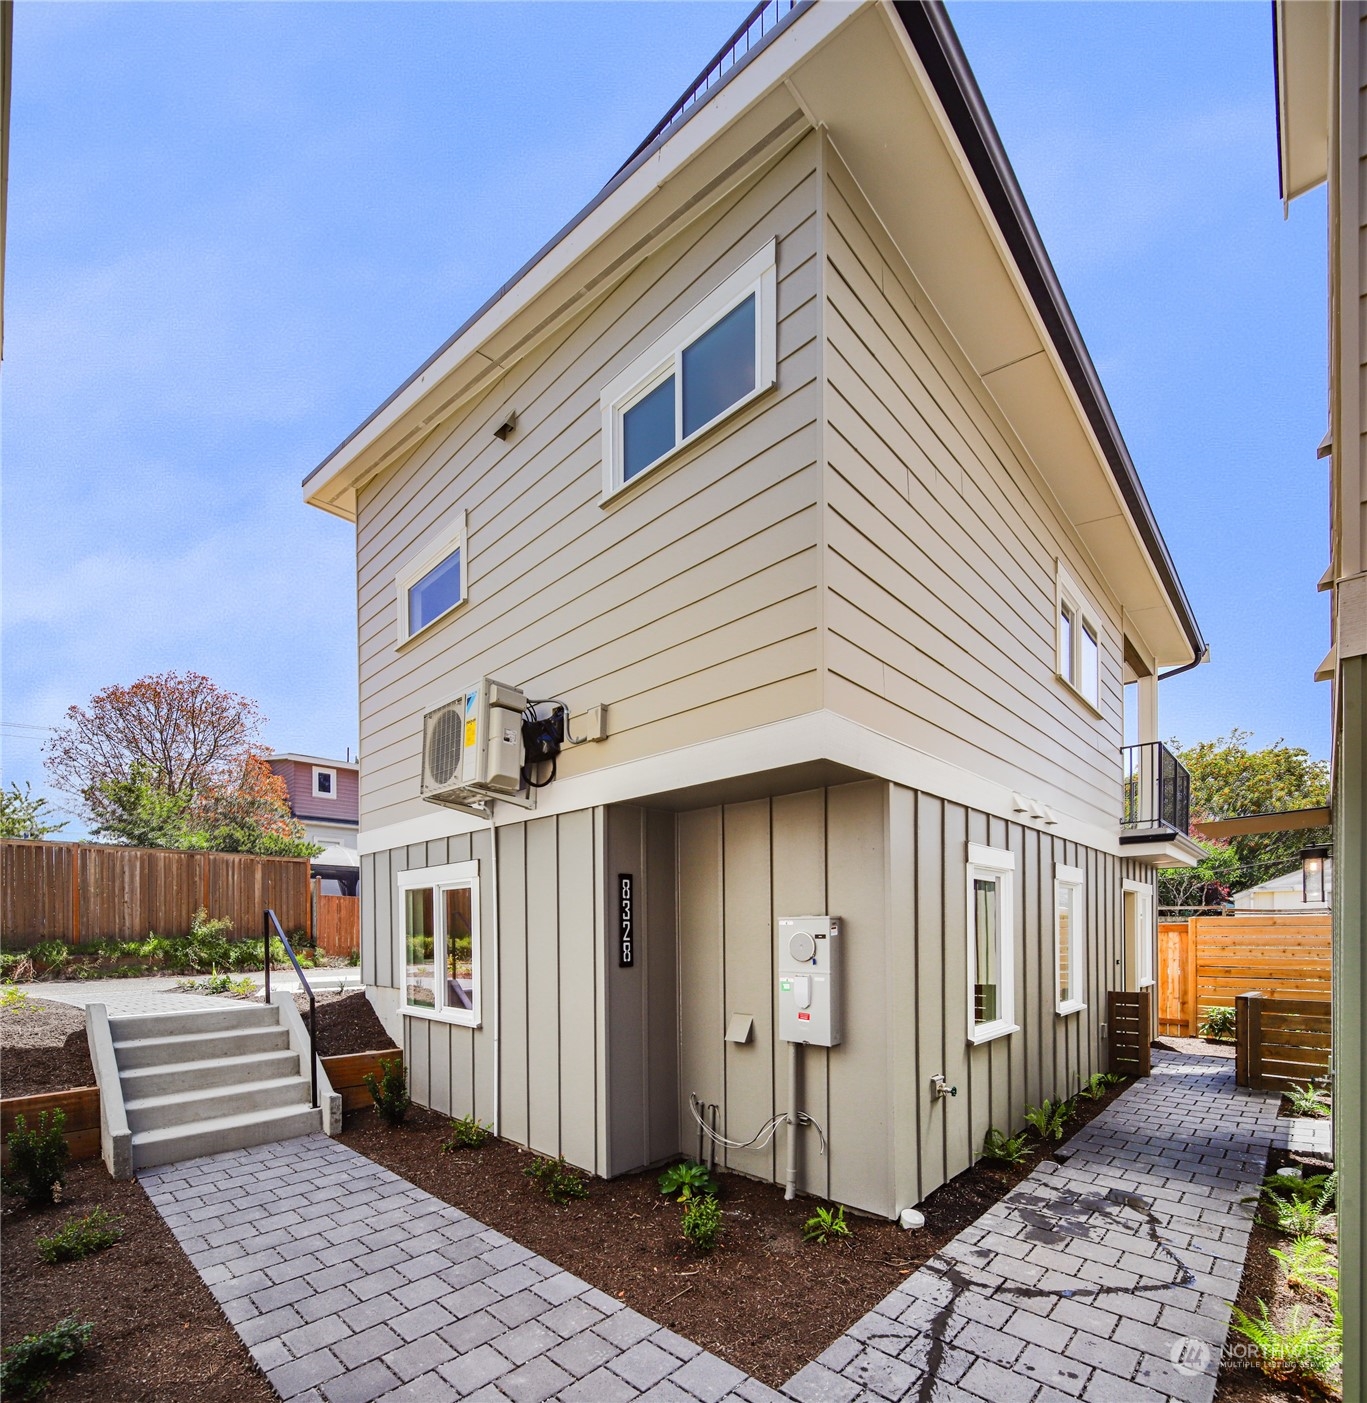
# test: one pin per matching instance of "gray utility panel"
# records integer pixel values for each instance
(809, 980)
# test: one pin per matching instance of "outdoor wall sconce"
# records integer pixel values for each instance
(1314, 860)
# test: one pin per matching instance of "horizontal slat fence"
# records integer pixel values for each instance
(1209, 961)
(80, 892)
(337, 928)
(1128, 1026)
(347, 1073)
(1280, 1043)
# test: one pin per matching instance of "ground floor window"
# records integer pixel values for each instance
(991, 942)
(439, 935)
(1139, 934)
(1069, 939)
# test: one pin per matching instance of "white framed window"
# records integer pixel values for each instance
(433, 584)
(706, 367)
(438, 930)
(1070, 939)
(324, 783)
(991, 943)
(1139, 932)
(1078, 633)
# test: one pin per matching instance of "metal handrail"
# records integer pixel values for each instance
(268, 920)
(1156, 791)
(725, 59)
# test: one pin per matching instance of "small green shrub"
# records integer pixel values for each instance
(1304, 1348)
(1098, 1084)
(81, 1237)
(1299, 1205)
(1050, 1119)
(14, 1000)
(1309, 1263)
(244, 988)
(1007, 1149)
(686, 1180)
(1219, 1024)
(389, 1091)
(15, 966)
(825, 1224)
(29, 1365)
(1307, 1100)
(466, 1134)
(353, 958)
(50, 954)
(701, 1222)
(559, 1181)
(38, 1158)
(203, 928)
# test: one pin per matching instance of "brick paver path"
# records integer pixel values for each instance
(1104, 1278)
(122, 997)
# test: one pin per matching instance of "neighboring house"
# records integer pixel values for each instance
(787, 452)
(324, 797)
(1321, 55)
(1284, 894)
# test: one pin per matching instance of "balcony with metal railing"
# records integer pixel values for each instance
(1156, 790)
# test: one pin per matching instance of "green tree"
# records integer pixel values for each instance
(23, 816)
(137, 811)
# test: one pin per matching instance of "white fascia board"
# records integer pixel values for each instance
(819, 735)
(356, 457)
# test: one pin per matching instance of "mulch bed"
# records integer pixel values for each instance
(160, 1337)
(43, 1048)
(765, 1301)
(346, 1023)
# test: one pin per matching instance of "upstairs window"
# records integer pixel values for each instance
(324, 783)
(432, 585)
(991, 943)
(1079, 640)
(706, 367)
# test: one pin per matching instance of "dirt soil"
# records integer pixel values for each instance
(43, 1048)
(1240, 1380)
(1197, 1047)
(159, 1335)
(346, 1023)
(764, 1300)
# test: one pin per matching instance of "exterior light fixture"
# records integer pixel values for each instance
(1314, 860)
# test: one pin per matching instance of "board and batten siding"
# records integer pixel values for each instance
(689, 603)
(941, 548)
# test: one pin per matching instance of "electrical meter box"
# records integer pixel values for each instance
(809, 982)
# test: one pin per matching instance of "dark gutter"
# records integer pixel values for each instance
(937, 45)
(1277, 101)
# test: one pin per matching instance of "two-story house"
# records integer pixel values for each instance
(324, 795)
(787, 453)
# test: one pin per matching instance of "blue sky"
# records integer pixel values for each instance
(235, 228)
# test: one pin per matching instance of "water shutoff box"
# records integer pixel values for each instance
(809, 980)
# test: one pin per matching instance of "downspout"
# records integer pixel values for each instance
(497, 962)
(1202, 657)
(790, 1178)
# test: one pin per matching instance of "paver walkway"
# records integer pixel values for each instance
(1104, 1278)
(123, 997)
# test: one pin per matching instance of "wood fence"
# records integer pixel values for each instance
(336, 923)
(1280, 1043)
(79, 892)
(1208, 961)
(81, 1108)
(1128, 1021)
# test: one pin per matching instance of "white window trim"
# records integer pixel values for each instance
(757, 275)
(322, 793)
(1067, 591)
(451, 539)
(1074, 879)
(451, 874)
(1144, 906)
(999, 864)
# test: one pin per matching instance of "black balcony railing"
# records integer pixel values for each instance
(1157, 793)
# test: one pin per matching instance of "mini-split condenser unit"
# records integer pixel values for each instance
(472, 749)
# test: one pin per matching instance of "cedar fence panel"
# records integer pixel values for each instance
(1128, 1023)
(80, 892)
(1278, 954)
(1280, 1043)
(337, 924)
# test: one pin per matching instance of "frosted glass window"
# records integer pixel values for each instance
(719, 367)
(648, 429)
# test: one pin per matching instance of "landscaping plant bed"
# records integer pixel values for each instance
(764, 1301)
(346, 1023)
(159, 1336)
(43, 1048)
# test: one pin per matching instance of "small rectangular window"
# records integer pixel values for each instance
(1091, 662)
(324, 783)
(991, 952)
(1069, 939)
(435, 583)
(648, 429)
(1078, 640)
(440, 941)
(719, 367)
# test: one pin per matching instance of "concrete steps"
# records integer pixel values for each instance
(201, 1082)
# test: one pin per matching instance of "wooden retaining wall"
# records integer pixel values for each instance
(80, 892)
(347, 1075)
(1209, 961)
(1280, 1043)
(82, 1110)
(1129, 1024)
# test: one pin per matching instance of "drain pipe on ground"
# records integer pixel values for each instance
(790, 1183)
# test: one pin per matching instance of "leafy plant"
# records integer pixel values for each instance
(825, 1224)
(686, 1180)
(1308, 1262)
(701, 1222)
(50, 954)
(1050, 1119)
(559, 1181)
(1219, 1024)
(81, 1237)
(353, 958)
(466, 1134)
(244, 988)
(1303, 1348)
(1308, 1100)
(1006, 1149)
(1098, 1084)
(38, 1158)
(30, 1364)
(389, 1090)
(14, 1000)
(15, 965)
(23, 816)
(204, 928)
(1299, 1205)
